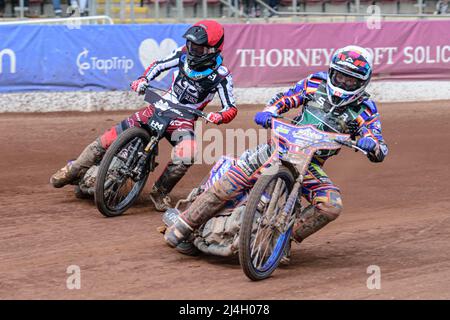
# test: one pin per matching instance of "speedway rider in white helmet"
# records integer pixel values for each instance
(333, 101)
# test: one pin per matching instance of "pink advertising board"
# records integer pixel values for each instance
(261, 55)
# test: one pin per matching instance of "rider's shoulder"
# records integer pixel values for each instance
(318, 76)
(180, 51)
(370, 104)
(223, 71)
(313, 79)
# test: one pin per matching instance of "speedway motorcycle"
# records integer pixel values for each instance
(131, 158)
(257, 225)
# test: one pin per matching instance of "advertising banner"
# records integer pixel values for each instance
(109, 57)
(269, 55)
(59, 58)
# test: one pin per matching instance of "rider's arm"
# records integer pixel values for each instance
(370, 126)
(225, 90)
(163, 64)
(293, 98)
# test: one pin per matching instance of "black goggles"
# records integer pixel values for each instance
(345, 82)
(198, 50)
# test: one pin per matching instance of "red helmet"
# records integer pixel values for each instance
(204, 42)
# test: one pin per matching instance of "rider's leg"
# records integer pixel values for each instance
(239, 177)
(326, 203)
(94, 152)
(183, 155)
(75, 169)
(204, 208)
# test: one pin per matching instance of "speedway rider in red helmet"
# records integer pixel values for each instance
(199, 74)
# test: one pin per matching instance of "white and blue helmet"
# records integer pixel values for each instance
(349, 74)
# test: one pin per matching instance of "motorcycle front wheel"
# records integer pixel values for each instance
(121, 176)
(262, 240)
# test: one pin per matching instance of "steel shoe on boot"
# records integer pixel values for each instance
(160, 200)
(177, 232)
(64, 176)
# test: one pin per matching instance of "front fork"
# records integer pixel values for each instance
(151, 144)
(285, 220)
(140, 169)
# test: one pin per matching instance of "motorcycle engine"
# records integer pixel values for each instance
(87, 182)
(220, 235)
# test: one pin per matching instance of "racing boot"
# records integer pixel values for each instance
(166, 182)
(200, 211)
(75, 169)
(160, 199)
(314, 218)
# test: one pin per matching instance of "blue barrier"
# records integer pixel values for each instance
(92, 58)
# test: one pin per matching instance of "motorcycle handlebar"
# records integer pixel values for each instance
(200, 114)
(348, 143)
(196, 112)
(351, 144)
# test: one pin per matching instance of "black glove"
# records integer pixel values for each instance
(353, 128)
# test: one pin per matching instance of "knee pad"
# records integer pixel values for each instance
(107, 138)
(184, 152)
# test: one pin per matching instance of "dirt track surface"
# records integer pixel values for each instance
(396, 216)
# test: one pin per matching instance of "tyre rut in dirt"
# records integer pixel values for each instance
(129, 138)
(285, 179)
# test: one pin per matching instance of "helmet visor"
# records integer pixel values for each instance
(199, 50)
(345, 82)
